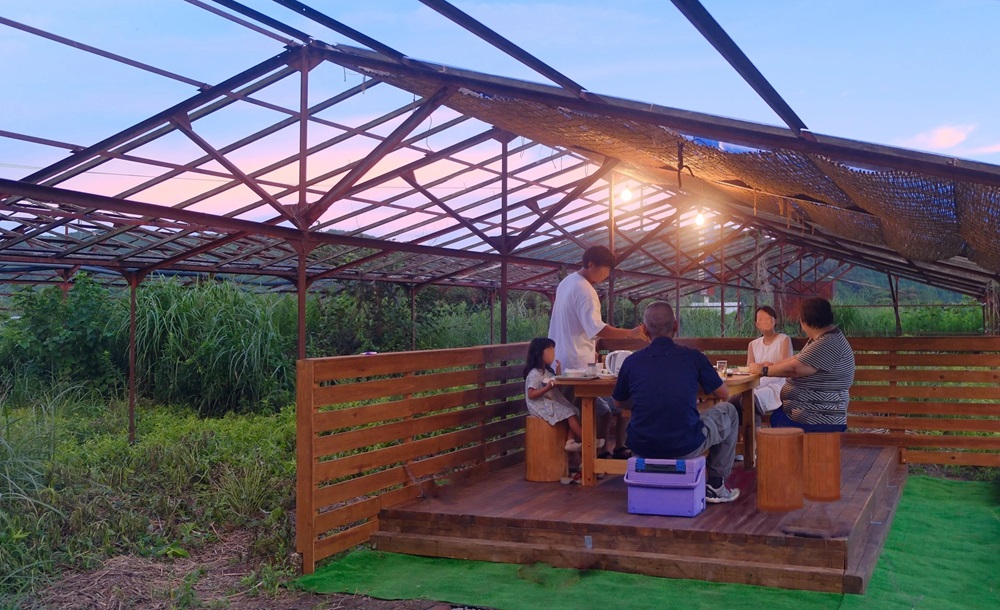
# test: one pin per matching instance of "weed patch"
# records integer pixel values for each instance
(75, 493)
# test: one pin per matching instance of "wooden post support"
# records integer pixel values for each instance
(821, 459)
(545, 452)
(779, 469)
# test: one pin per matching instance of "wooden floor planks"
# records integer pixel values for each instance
(503, 518)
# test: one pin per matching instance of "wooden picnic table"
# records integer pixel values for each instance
(589, 389)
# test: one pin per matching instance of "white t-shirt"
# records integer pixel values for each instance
(575, 322)
(768, 393)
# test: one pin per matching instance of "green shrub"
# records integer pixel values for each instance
(372, 316)
(865, 321)
(462, 325)
(957, 319)
(465, 323)
(699, 322)
(527, 318)
(65, 335)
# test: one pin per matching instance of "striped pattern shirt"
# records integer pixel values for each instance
(821, 398)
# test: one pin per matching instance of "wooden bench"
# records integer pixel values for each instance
(545, 459)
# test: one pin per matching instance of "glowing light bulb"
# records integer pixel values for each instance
(626, 195)
(699, 219)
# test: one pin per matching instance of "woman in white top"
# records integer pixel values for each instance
(771, 346)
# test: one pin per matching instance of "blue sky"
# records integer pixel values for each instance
(918, 74)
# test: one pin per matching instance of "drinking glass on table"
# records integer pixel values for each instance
(721, 366)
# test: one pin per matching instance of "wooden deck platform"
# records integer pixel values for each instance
(823, 547)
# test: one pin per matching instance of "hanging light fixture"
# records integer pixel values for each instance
(699, 219)
(626, 195)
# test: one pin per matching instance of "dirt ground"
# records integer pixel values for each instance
(211, 577)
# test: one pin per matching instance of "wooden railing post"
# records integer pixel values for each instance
(305, 537)
(408, 417)
(482, 423)
(892, 388)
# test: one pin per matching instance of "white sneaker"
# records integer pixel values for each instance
(721, 494)
(575, 478)
(573, 446)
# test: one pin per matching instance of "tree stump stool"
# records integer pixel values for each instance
(779, 469)
(545, 450)
(821, 461)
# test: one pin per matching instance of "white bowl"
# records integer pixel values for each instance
(575, 373)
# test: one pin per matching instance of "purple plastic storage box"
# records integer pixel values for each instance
(666, 487)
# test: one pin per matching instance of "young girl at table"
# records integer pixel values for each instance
(542, 398)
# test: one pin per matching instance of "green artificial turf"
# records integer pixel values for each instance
(943, 552)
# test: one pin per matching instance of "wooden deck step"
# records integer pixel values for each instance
(867, 547)
(652, 564)
(622, 539)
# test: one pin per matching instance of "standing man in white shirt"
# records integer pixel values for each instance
(576, 321)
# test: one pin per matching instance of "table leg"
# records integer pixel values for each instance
(749, 432)
(589, 450)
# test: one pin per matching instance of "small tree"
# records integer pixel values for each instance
(56, 334)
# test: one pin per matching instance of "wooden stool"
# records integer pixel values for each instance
(821, 460)
(545, 450)
(779, 469)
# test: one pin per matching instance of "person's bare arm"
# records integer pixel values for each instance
(536, 393)
(789, 367)
(613, 332)
(786, 349)
(750, 358)
(721, 392)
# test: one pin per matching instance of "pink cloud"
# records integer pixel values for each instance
(939, 138)
(986, 150)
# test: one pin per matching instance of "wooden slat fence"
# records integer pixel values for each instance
(937, 398)
(375, 430)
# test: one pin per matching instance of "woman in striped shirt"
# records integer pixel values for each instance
(819, 377)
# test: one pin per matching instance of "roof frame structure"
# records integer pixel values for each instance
(471, 212)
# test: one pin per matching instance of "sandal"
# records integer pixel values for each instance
(622, 453)
(604, 455)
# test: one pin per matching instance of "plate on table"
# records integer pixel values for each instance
(607, 376)
(568, 376)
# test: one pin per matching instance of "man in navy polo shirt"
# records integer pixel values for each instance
(662, 381)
